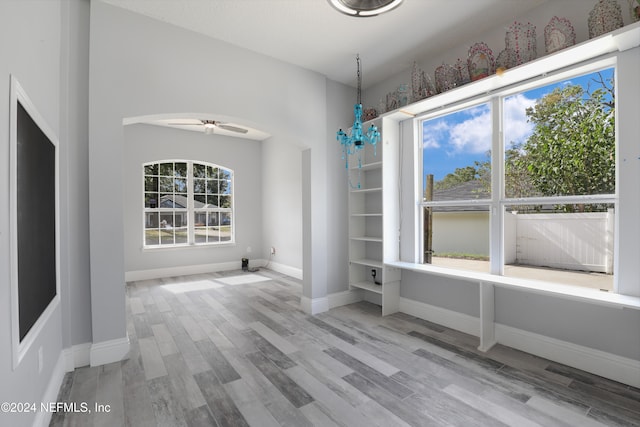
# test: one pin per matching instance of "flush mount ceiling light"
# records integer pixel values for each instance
(364, 8)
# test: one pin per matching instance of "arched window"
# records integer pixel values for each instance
(187, 203)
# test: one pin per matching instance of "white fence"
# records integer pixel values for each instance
(573, 241)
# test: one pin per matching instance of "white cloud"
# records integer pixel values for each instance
(516, 127)
(472, 135)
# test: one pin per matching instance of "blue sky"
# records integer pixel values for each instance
(458, 139)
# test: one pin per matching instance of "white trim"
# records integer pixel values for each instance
(314, 306)
(338, 299)
(573, 293)
(77, 356)
(109, 351)
(442, 316)
(294, 272)
(598, 362)
(43, 418)
(158, 273)
(21, 347)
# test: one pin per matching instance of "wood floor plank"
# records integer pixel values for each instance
(222, 407)
(252, 409)
(220, 365)
(151, 358)
(273, 338)
(289, 389)
(387, 383)
(245, 354)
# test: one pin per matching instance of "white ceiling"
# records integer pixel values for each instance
(313, 35)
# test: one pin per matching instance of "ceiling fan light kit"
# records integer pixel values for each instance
(364, 8)
(211, 125)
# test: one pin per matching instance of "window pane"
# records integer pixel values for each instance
(212, 172)
(150, 183)
(166, 184)
(560, 138)
(166, 169)
(213, 218)
(574, 248)
(180, 185)
(225, 187)
(151, 169)
(180, 170)
(199, 186)
(212, 186)
(151, 200)
(181, 235)
(212, 201)
(225, 202)
(200, 235)
(199, 171)
(151, 237)
(225, 226)
(213, 234)
(151, 220)
(457, 153)
(459, 237)
(199, 200)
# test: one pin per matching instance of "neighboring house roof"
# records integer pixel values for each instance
(177, 201)
(470, 190)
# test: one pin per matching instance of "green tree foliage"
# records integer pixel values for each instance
(572, 148)
(457, 177)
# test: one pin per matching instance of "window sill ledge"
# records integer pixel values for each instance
(186, 247)
(574, 293)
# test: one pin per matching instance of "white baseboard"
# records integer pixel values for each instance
(441, 316)
(315, 305)
(105, 352)
(158, 273)
(294, 272)
(338, 299)
(43, 418)
(77, 356)
(597, 362)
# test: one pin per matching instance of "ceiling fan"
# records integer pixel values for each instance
(211, 125)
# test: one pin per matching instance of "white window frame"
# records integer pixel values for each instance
(498, 202)
(190, 210)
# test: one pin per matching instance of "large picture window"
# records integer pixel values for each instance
(187, 203)
(523, 183)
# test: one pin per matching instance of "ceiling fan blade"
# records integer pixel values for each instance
(185, 124)
(232, 128)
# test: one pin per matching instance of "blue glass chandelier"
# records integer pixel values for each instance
(355, 140)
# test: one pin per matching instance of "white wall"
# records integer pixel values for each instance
(39, 47)
(148, 67)
(146, 143)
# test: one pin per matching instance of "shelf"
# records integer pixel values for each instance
(368, 286)
(622, 39)
(368, 262)
(367, 190)
(367, 166)
(367, 239)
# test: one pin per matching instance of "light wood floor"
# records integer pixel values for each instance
(234, 349)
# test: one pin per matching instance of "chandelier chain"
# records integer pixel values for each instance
(359, 80)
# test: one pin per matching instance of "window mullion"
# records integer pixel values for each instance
(497, 189)
(190, 205)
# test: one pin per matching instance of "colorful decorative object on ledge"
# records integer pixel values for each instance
(462, 72)
(634, 10)
(369, 114)
(521, 38)
(355, 140)
(480, 62)
(558, 34)
(506, 59)
(421, 85)
(605, 16)
(445, 78)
